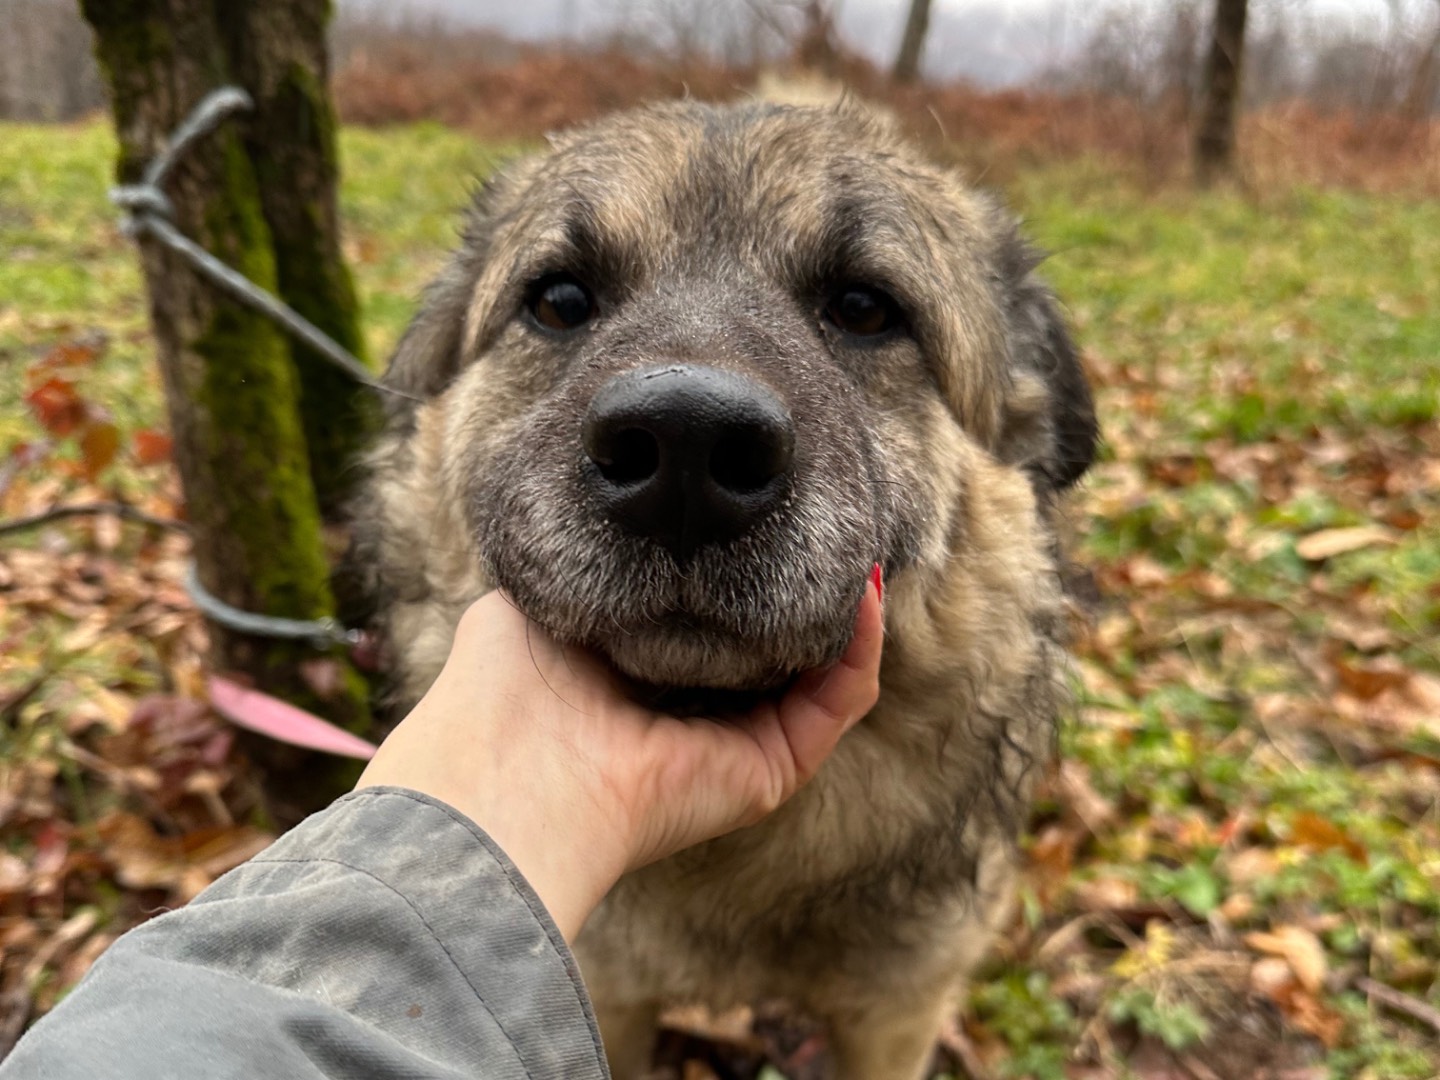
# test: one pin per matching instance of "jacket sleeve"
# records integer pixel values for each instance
(384, 937)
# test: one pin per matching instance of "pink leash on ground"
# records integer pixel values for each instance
(275, 719)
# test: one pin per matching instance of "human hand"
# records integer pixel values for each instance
(538, 745)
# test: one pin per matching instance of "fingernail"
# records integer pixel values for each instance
(879, 580)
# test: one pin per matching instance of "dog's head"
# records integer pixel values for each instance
(696, 369)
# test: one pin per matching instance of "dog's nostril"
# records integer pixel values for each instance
(745, 461)
(630, 457)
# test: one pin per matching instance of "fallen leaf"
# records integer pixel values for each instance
(1369, 680)
(14, 875)
(1328, 543)
(735, 1025)
(70, 354)
(98, 443)
(56, 405)
(1106, 894)
(1298, 947)
(1314, 832)
(152, 447)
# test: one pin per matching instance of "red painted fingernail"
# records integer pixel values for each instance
(879, 581)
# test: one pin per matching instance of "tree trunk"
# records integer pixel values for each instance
(1420, 98)
(907, 60)
(276, 50)
(229, 382)
(1215, 134)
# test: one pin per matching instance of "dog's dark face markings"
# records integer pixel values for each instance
(705, 365)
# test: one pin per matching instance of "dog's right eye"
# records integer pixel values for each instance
(560, 302)
(862, 312)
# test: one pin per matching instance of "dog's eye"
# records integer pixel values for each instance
(861, 311)
(560, 302)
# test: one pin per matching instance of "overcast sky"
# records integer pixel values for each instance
(989, 41)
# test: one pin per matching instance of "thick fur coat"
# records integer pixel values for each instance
(933, 438)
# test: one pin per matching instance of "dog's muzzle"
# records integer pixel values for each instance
(687, 455)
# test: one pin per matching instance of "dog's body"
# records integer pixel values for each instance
(891, 385)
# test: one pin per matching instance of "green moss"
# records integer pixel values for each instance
(132, 39)
(230, 378)
(339, 414)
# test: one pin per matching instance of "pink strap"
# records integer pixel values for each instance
(265, 715)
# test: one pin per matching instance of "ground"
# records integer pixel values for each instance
(1236, 871)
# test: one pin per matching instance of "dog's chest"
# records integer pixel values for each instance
(871, 866)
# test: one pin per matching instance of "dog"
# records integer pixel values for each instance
(692, 372)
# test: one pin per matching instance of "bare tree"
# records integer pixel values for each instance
(1215, 133)
(912, 43)
(1420, 97)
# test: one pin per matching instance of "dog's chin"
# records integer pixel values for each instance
(688, 674)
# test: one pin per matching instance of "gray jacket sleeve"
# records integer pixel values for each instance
(384, 937)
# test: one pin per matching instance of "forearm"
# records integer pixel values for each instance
(386, 936)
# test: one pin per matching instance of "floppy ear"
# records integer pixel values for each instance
(1049, 424)
(429, 355)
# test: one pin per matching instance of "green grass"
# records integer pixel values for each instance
(1267, 367)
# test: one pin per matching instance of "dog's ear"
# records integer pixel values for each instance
(1049, 415)
(429, 355)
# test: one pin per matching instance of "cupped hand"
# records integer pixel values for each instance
(538, 745)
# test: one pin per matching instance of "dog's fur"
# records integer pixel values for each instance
(715, 235)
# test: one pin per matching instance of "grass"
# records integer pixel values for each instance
(1258, 746)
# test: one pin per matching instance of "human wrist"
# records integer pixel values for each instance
(570, 862)
(570, 858)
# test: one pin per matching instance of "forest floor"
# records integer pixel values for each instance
(1236, 871)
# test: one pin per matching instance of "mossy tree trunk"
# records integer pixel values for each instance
(230, 386)
(1215, 133)
(912, 43)
(276, 50)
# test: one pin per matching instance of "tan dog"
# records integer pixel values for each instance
(692, 372)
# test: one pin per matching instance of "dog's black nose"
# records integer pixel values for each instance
(688, 455)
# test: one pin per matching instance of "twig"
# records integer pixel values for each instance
(116, 509)
(1400, 1001)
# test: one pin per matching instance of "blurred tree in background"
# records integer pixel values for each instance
(912, 43)
(1224, 64)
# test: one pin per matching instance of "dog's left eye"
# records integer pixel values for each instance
(560, 302)
(861, 311)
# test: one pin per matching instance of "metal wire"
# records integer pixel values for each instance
(321, 632)
(149, 213)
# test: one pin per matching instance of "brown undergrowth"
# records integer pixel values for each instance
(539, 90)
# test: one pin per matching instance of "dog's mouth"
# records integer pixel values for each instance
(687, 665)
(716, 704)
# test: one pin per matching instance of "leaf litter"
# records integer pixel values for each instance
(1233, 871)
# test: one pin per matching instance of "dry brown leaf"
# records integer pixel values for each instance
(14, 875)
(1314, 832)
(732, 1026)
(1106, 894)
(1327, 543)
(1311, 1015)
(1299, 948)
(141, 858)
(1372, 678)
(1237, 906)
